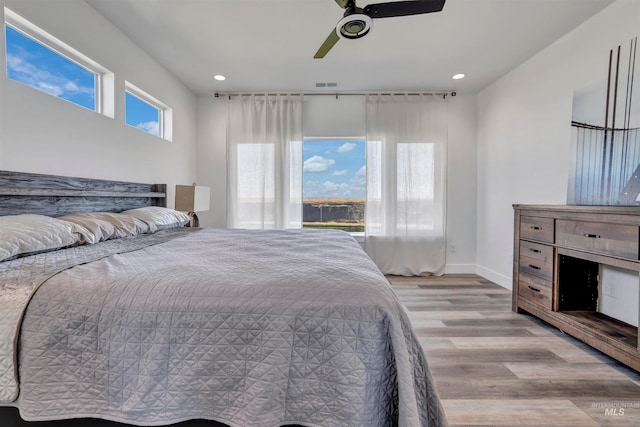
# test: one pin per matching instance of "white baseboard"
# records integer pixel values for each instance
(495, 277)
(460, 269)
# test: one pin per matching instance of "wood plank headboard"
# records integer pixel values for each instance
(54, 195)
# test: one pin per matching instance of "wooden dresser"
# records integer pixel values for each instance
(558, 253)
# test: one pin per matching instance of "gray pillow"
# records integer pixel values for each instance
(160, 217)
(108, 225)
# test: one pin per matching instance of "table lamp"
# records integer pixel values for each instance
(192, 199)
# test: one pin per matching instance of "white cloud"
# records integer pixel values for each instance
(318, 164)
(150, 127)
(332, 186)
(330, 189)
(55, 84)
(71, 86)
(347, 146)
(340, 173)
(359, 179)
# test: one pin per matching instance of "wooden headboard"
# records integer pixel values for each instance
(54, 195)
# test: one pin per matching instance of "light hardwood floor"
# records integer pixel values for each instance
(495, 367)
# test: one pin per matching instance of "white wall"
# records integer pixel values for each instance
(345, 117)
(461, 185)
(43, 134)
(211, 149)
(524, 129)
(331, 117)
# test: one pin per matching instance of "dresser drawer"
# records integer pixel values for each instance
(536, 267)
(536, 260)
(535, 290)
(609, 239)
(536, 228)
(537, 251)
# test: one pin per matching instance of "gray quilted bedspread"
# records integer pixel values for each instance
(250, 328)
(20, 278)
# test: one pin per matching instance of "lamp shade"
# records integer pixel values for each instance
(192, 198)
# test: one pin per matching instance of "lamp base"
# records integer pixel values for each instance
(194, 220)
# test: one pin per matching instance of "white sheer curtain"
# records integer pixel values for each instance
(264, 146)
(406, 183)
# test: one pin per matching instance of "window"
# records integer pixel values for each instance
(144, 112)
(41, 61)
(415, 186)
(256, 188)
(334, 181)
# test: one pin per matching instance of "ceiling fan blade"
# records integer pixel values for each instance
(342, 3)
(327, 45)
(403, 8)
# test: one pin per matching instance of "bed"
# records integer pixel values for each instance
(243, 327)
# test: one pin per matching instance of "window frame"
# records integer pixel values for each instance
(104, 95)
(165, 113)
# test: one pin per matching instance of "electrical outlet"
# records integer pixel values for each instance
(453, 248)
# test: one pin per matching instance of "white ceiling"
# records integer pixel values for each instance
(268, 45)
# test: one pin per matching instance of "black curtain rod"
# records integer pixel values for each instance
(336, 94)
(596, 127)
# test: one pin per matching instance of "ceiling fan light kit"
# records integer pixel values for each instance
(357, 22)
(354, 26)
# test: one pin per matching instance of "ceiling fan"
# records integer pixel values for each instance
(357, 22)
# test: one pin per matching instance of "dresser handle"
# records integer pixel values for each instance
(533, 289)
(536, 251)
(535, 267)
(591, 236)
(535, 227)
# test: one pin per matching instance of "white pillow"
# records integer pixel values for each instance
(24, 234)
(160, 217)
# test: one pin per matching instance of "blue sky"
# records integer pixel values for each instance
(141, 115)
(334, 169)
(37, 66)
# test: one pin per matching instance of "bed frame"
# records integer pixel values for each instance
(54, 195)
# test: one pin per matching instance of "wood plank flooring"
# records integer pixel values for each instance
(495, 367)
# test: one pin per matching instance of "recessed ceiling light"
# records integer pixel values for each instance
(219, 77)
(457, 76)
